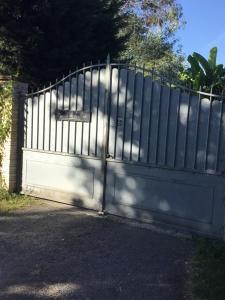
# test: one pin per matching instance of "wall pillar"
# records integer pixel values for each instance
(12, 156)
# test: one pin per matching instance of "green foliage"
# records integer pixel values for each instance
(12, 201)
(42, 39)
(212, 57)
(208, 270)
(206, 73)
(157, 16)
(5, 113)
(151, 28)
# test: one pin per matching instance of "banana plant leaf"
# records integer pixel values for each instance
(212, 57)
(195, 68)
(204, 64)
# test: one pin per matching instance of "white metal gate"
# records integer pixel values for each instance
(116, 138)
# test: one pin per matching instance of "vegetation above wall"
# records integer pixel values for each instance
(205, 74)
(151, 28)
(40, 40)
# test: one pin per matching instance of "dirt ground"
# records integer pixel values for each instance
(55, 251)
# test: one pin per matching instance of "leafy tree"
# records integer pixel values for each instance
(206, 73)
(161, 16)
(42, 39)
(151, 27)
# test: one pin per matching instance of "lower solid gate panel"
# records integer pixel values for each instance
(62, 177)
(152, 194)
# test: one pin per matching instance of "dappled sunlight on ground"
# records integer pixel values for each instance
(50, 291)
(55, 251)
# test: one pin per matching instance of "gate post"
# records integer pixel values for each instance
(12, 154)
(106, 131)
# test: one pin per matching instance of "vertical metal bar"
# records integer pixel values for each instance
(83, 106)
(50, 118)
(158, 123)
(132, 121)
(117, 104)
(90, 109)
(150, 117)
(43, 146)
(125, 112)
(38, 122)
(106, 131)
(177, 130)
(97, 109)
(56, 122)
(208, 132)
(142, 106)
(25, 121)
(109, 91)
(68, 139)
(197, 129)
(32, 119)
(63, 106)
(220, 137)
(167, 126)
(20, 142)
(75, 129)
(186, 132)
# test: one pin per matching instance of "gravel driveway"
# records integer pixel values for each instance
(54, 251)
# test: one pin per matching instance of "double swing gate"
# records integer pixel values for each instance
(120, 139)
